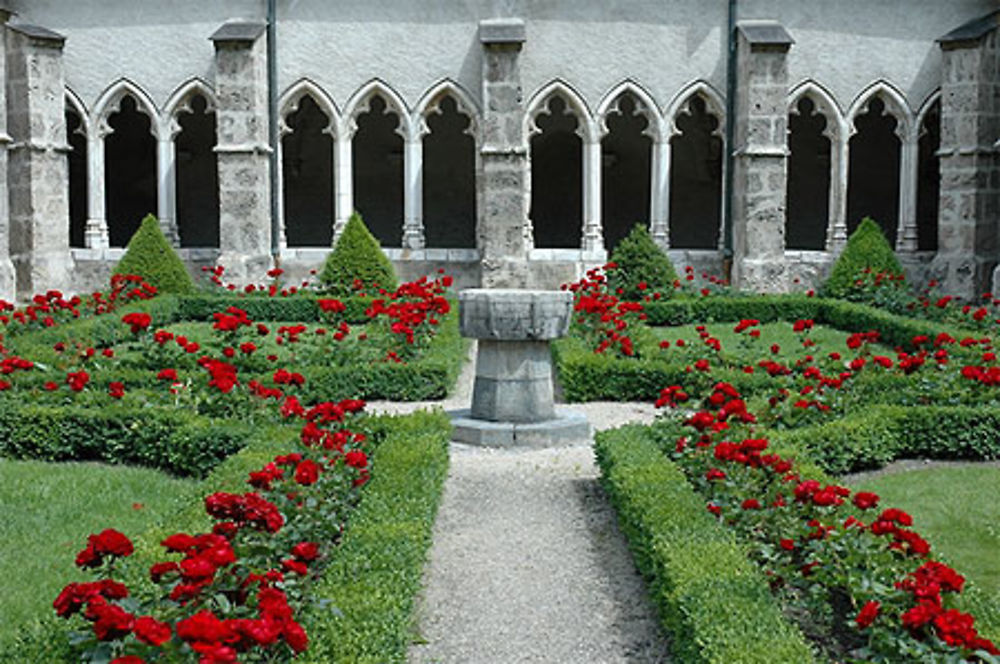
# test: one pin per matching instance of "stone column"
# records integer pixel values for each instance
(7, 278)
(909, 157)
(39, 169)
(343, 180)
(413, 191)
(503, 236)
(243, 150)
(970, 165)
(593, 232)
(95, 235)
(761, 157)
(836, 233)
(659, 204)
(166, 182)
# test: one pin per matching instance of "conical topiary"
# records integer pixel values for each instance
(866, 248)
(639, 261)
(357, 256)
(151, 257)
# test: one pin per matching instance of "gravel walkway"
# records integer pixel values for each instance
(528, 564)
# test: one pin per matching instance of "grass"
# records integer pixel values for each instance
(955, 508)
(50, 508)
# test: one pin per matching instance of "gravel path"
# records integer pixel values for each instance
(528, 564)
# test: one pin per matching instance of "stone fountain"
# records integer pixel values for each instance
(512, 397)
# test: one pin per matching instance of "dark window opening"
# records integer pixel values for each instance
(77, 178)
(695, 179)
(808, 206)
(625, 172)
(929, 179)
(873, 175)
(197, 176)
(129, 171)
(378, 173)
(557, 179)
(307, 177)
(449, 194)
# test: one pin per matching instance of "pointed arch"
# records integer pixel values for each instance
(110, 102)
(575, 105)
(895, 105)
(76, 104)
(291, 98)
(825, 105)
(926, 107)
(360, 102)
(714, 102)
(646, 107)
(430, 103)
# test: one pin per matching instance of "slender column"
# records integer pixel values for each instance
(413, 193)
(836, 236)
(282, 231)
(96, 232)
(7, 277)
(593, 237)
(503, 185)
(344, 180)
(39, 169)
(659, 203)
(242, 132)
(906, 232)
(761, 157)
(166, 186)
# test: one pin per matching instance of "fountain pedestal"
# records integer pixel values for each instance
(512, 398)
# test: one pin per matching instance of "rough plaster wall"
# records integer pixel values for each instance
(847, 44)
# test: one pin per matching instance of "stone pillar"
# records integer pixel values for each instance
(593, 232)
(836, 230)
(282, 230)
(503, 235)
(243, 151)
(95, 235)
(659, 204)
(970, 165)
(413, 192)
(343, 180)
(909, 157)
(7, 279)
(166, 183)
(39, 169)
(761, 157)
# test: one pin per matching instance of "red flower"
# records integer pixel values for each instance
(920, 615)
(116, 390)
(866, 616)
(203, 627)
(306, 551)
(137, 321)
(167, 374)
(307, 472)
(865, 500)
(356, 459)
(151, 631)
(108, 542)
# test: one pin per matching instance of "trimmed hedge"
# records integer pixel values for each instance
(150, 256)
(300, 307)
(171, 440)
(357, 256)
(378, 572)
(639, 260)
(867, 248)
(715, 605)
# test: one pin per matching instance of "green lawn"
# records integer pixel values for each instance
(956, 509)
(48, 511)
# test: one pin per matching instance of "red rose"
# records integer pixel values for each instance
(307, 472)
(306, 551)
(865, 500)
(356, 459)
(866, 616)
(151, 631)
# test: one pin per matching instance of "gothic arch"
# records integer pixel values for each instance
(293, 96)
(714, 104)
(360, 102)
(825, 105)
(430, 101)
(180, 101)
(110, 102)
(895, 105)
(575, 105)
(76, 104)
(646, 107)
(925, 107)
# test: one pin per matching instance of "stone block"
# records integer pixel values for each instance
(514, 315)
(502, 31)
(566, 428)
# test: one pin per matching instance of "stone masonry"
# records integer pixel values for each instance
(503, 236)
(970, 164)
(242, 148)
(761, 157)
(38, 169)
(7, 279)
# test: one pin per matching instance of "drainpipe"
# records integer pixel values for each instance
(727, 200)
(272, 112)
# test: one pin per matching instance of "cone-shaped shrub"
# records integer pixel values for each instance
(866, 248)
(357, 256)
(639, 260)
(150, 256)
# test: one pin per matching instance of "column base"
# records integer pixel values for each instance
(566, 428)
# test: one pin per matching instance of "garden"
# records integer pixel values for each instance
(190, 473)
